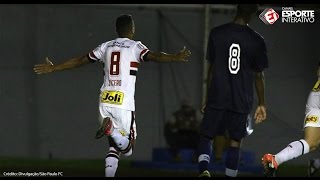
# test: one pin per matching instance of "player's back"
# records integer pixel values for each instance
(235, 56)
(121, 59)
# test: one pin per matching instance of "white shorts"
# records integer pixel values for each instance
(123, 120)
(312, 118)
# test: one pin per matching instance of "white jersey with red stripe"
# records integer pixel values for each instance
(121, 58)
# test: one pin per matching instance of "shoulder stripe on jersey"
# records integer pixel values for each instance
(134, 64)
(143, 52)
(133, 72)
(92, 56)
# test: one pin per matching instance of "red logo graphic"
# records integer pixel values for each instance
(269, 16)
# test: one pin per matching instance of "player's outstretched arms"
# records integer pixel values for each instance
(49, 67)
(181, 56)
(261, 112)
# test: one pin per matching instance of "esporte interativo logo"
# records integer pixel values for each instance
(288, 15)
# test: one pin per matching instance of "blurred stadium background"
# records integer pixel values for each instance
(48, 122)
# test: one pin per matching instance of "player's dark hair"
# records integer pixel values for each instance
(124, 24)
(246, 10)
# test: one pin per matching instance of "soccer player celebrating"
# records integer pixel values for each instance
(121, 58)
(309, 143)
(237, 56)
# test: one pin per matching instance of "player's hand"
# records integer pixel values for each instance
(44, 68)
(260, 114)
(183, 55)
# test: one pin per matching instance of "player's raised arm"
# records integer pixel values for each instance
(49, 67)
(181, 56)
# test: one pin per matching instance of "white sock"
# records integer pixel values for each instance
(121, 141)
(231, 172)
(317, 163)
(111, 160)
(203, 157)
(293, 150)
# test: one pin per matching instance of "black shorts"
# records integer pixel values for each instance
(219, 122)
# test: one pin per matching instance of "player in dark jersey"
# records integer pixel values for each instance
(237, 56)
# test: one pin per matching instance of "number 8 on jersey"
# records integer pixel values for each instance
(234, 58)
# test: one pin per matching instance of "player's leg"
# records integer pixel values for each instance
(220, 144)
(106, 128)
(303, 146)
(297, 148)
(123, 127)
(293, 150)
(236, 128)
(106, 125)
(204, 151)
(210, 124)
(233, 158)
(124, 134)
(300, 147)
(312, 136)
(112, 159)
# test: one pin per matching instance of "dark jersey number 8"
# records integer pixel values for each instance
(234, 58)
